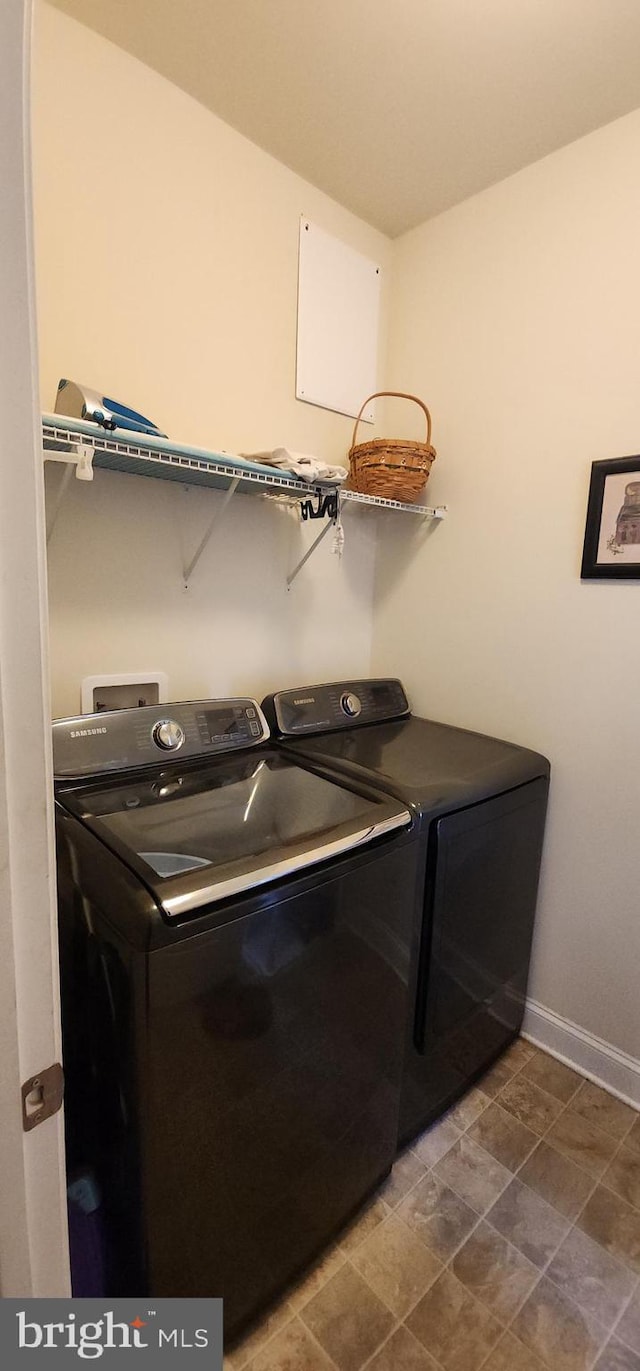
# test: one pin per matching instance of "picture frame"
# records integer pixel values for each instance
(612, 533)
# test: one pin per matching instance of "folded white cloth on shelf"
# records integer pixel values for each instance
(300, 464)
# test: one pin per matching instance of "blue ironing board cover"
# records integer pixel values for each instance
(127, 438)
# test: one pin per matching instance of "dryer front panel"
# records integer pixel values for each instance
(480, 897)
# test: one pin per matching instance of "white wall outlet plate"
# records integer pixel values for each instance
(124, 691)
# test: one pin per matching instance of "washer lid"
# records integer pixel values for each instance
(431, 766)
(197, 835)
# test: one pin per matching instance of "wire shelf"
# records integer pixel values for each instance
(64, 440)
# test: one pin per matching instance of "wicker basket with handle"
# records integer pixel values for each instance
(392, 468)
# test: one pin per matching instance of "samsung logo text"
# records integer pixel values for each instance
(86, 732)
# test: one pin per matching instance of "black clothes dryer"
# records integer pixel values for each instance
(231, 921)
(480, 804)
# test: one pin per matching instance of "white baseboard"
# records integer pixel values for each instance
(593, 1057)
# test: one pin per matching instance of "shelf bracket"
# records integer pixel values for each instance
(316, 543)
(330, 505)
(79, 458)
(227, 497)
(78, 454)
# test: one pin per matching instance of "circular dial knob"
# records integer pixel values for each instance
(350, 704)
(168, 735)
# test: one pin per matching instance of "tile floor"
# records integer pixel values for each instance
(507, 1237)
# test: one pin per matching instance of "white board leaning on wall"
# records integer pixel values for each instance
(338, 320)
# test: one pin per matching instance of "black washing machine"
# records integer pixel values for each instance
(231, 921)
(480, 804)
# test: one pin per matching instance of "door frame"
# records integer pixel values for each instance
(33, 1227)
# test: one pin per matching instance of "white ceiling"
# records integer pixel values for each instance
(396, 108)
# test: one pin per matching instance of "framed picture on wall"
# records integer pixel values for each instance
(612, 534)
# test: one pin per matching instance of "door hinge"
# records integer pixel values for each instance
(42, 1096)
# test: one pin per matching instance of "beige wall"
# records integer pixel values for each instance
(517, 315)
(167, 275)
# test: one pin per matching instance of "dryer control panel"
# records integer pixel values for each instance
(337, 705)
(122, 739)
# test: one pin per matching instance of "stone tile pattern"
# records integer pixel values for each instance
(507, 1238)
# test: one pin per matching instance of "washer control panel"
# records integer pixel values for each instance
(338, 705)
(121, 739)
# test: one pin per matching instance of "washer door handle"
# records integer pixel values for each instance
(249, 879)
